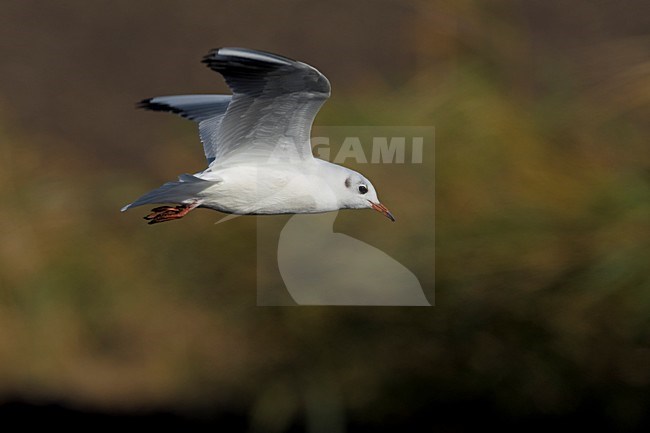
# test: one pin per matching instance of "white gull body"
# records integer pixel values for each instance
(257, 144)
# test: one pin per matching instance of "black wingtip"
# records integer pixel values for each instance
(213, 56)
(149, 104)
(145, 103)
(210, 55)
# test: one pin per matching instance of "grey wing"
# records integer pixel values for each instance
(207, 110)
(274, 103)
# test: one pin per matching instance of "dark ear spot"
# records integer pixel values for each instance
(348, 182)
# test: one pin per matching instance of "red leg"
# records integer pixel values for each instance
(169, 213)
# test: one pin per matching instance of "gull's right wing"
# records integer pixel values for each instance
(207, 110)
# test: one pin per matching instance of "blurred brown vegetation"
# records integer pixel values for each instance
(541, 214)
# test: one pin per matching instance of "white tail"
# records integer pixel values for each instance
(184, 190)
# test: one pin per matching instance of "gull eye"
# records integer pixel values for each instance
(363, 189)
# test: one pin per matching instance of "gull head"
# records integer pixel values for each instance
(359, 193)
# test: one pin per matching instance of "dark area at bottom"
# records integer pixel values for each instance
(444, 417)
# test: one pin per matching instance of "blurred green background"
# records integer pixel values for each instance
(541, 199)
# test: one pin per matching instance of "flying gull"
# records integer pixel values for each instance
(257, 145)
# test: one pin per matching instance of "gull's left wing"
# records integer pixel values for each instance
(274, 102)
